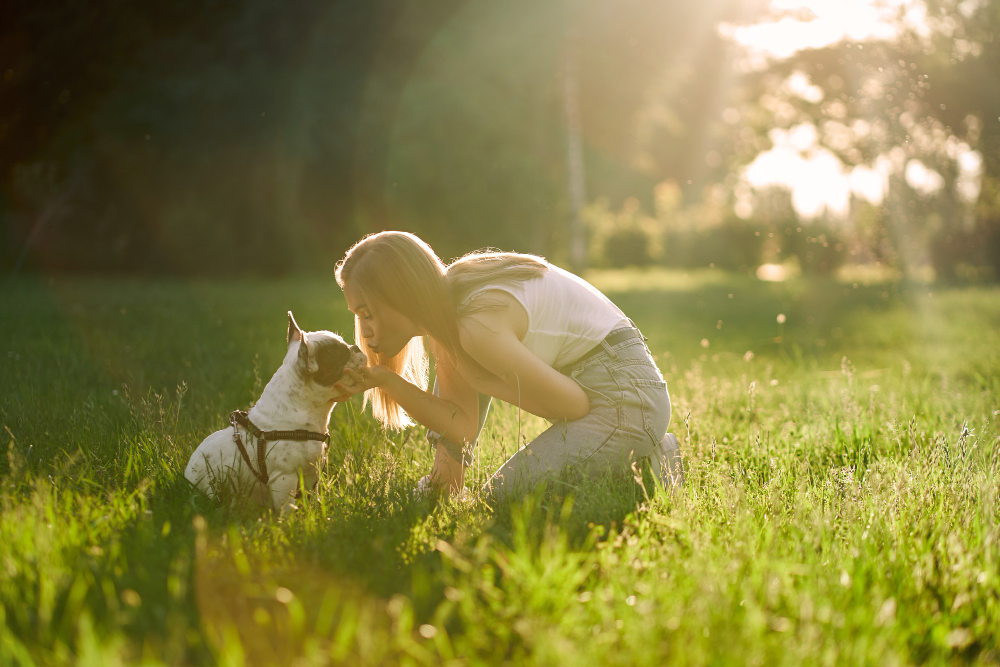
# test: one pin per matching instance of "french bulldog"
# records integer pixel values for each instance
(284, 434)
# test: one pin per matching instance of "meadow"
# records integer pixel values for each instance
(842, 502)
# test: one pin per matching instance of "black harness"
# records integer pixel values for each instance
(242, 418)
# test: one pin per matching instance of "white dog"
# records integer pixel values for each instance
(284, 435)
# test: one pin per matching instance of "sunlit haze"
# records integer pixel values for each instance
(811, 24)
(819, 182)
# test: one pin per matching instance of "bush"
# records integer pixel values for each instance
(629, 246)
(819, 249)
(972, 254)
(622, 238)
(733, 245)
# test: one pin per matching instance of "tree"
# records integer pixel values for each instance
(264, 137)
(924, 102)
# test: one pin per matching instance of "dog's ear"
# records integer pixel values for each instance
(307, 360)
(294, 332)
(308, 364)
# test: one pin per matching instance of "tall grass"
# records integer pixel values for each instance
(841, 501)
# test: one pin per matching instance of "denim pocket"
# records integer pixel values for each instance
(599, 384)
(655, 406)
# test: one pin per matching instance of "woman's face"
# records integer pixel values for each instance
(385, 329)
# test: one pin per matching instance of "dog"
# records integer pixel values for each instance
(284, 435)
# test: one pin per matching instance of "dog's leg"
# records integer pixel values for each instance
(283, 492)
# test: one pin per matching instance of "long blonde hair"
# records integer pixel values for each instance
(402, 271)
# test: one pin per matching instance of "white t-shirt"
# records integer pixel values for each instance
(567, 316)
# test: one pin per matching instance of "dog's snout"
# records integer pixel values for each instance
(358, 357)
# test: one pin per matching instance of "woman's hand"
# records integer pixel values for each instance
(362, 380)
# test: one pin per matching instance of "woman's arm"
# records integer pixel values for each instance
(454, 414)
(519, 377)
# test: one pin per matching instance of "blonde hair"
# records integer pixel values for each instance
(403, 272)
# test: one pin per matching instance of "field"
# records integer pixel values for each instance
(842, 502)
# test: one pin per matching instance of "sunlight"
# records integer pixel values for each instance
(772, 273)
(826, 22)
(819, 182)
(814, 175)
(923, 179)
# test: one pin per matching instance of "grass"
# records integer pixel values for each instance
(841, 505)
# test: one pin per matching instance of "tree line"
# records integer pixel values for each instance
(265, 137)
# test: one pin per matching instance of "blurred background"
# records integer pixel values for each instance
(263, 137)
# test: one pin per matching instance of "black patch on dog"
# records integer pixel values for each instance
(331, 355)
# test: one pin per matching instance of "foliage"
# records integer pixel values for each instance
(820, 250)
(699, 235)
(841, 504)
(970, 253)
(240, 137)
(925, 99)
(628, 237)
(734, 245)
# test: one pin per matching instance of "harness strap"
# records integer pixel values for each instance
(242, 418)
(262, 475)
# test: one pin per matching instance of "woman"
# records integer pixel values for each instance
(512, 327)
